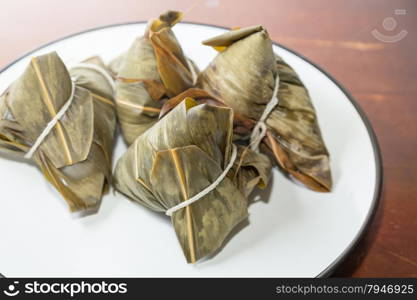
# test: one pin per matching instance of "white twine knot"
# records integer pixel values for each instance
(98, 69)
(259, 131)
(208, 189)
(51, 124)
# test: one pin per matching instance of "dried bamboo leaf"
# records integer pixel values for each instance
(203, 96)
(101, 89)
(177, 158)
(199, 95)
(153, 69)
(243, 76)
(202, 226)
(115, 64)
(251, 170)
(76, 154)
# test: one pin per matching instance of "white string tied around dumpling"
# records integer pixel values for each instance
(259, 131)
(208, 189)
(51, 124)
(98, 69)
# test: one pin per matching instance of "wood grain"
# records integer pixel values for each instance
(334, 34)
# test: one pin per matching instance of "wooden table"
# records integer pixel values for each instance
(337, 35)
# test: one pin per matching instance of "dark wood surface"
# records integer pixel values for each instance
(334, 34)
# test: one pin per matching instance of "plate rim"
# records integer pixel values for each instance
(371, 133)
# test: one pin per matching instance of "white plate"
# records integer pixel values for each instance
(295, 232)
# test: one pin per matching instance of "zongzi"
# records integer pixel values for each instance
(275, 105)
(154, 69)
(65, 122)
(187, 166)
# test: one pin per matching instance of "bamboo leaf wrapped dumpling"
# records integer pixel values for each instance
(179, 157)
(244, 74)
(57, 123)
(153, 69)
